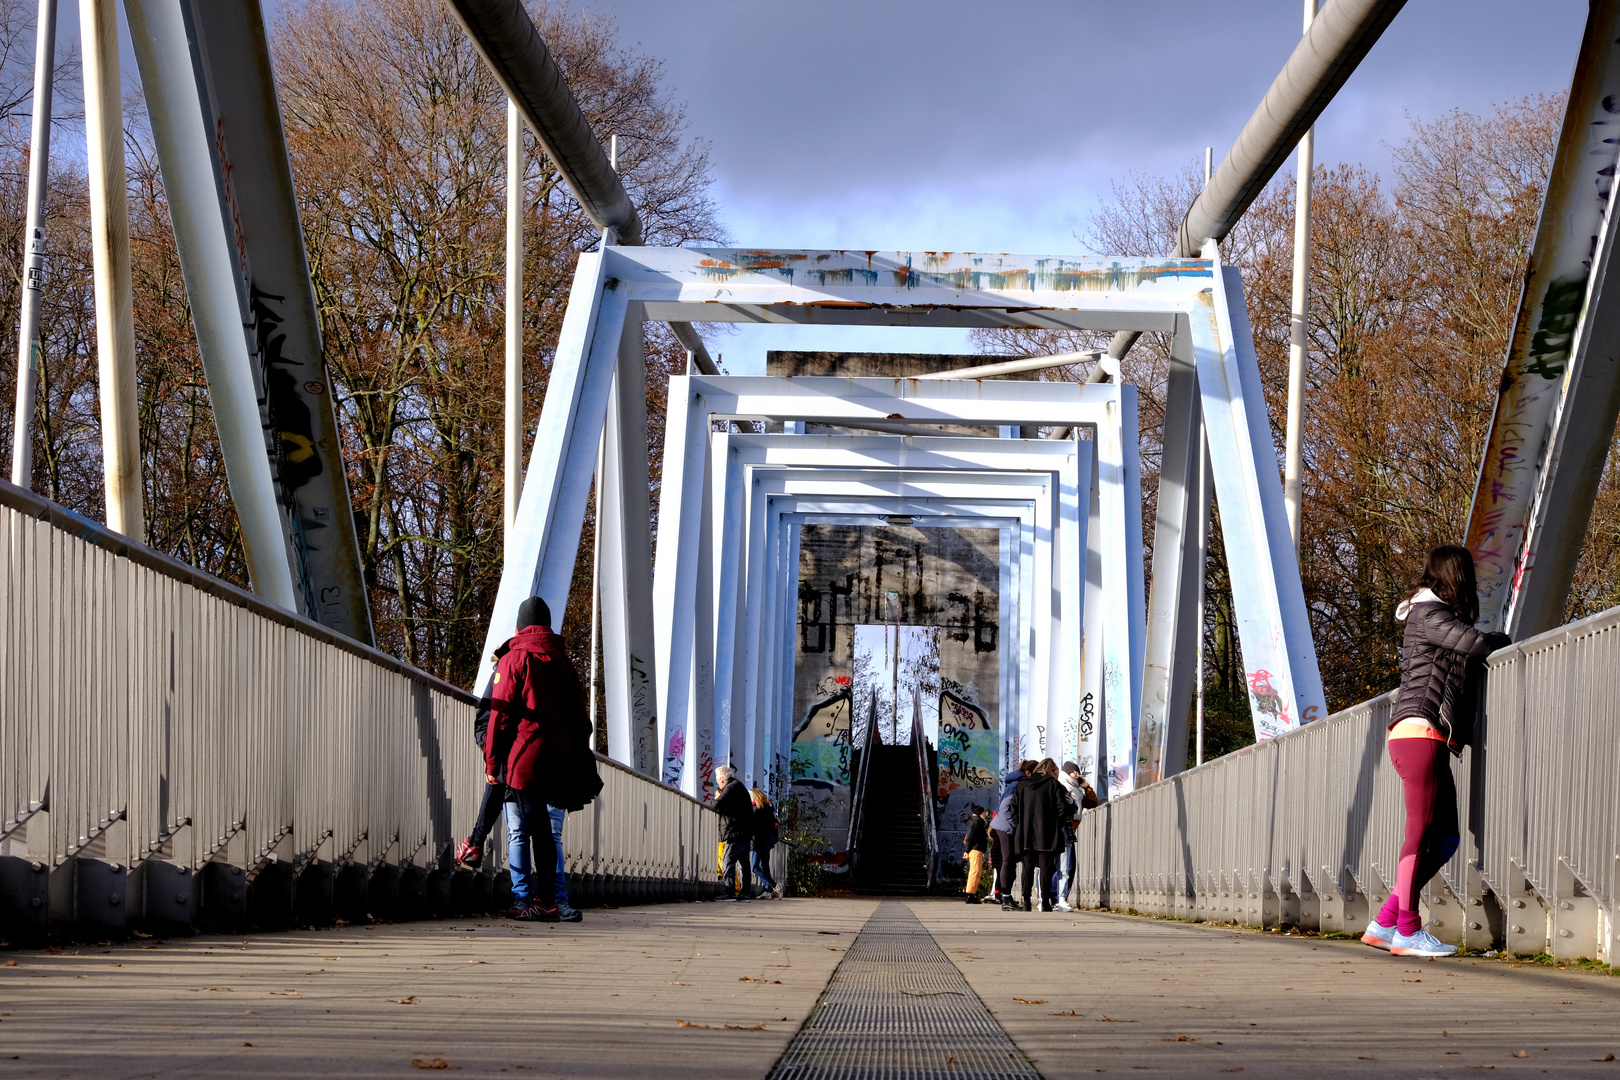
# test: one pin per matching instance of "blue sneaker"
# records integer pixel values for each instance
(1379, 937)
(1421, 943)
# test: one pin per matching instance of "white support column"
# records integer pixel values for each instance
(115, 304)
(1284, 683)
(1093, 747)
(544, 544)
(1172, 608)
(167, 78)
(1298, 323)
(1122, 587)
(33, 267)
(514, 320)
(624, 525)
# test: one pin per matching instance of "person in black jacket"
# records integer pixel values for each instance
(1039, 821)
(736, 812)
(975, 848)
(1442, 665)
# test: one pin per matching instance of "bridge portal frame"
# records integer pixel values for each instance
(964, 498)
(597, 386)
(773, 662)
(1069, 462)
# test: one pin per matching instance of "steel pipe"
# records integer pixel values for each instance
(1339, 38)
(115, 303)
(1013, 367)
(33, 275)
(505, 34)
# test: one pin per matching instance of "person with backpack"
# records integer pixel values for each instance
(538, 744)
(766, 834)
(1442, 667)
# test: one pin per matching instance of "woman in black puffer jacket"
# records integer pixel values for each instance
(1441, 669)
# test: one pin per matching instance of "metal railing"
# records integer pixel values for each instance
(1305, 829)
(175, 749)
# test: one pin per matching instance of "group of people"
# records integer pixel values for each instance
(1033, 826)
(748, 832)
(536, 741)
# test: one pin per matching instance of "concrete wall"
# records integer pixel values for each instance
(945, 578)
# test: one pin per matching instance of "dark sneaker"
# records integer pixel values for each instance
(568, 914)
(535, 913)
(469, 856)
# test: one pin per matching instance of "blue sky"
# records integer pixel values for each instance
(950, 125)
(958, 126)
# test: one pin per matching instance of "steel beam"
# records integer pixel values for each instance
(1555, 413)
(505, 34)
(624, 531)
(551, 514)
(1284, 684)
(1173, 629)
(256, 199)
(1338, 39)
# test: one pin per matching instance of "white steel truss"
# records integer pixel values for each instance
(596, 395)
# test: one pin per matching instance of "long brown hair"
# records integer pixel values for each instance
(1449, 573)
(1047, 767)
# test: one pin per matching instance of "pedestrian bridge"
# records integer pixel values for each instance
(177, 754)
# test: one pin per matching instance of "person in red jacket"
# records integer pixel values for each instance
(537, 738)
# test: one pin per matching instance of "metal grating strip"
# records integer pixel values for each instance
(897, 1009)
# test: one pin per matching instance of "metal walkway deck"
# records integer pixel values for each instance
(716, 991)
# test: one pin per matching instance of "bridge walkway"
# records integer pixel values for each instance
(689, 990)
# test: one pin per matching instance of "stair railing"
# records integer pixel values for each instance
(858, 795)
(925, 787)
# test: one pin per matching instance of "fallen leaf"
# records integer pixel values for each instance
(745, 978)
(1111, 1020)
(247, 1044)
(433, 1063)
(1180, 1038)
(1071, 1012)
(1521, 1053)
(11, 963)
(1238, 1069)
(1606, 1057)
(1561, 1002)
(722, 1027)
(1028, 1001)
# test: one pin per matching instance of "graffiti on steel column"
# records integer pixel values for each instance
(1270, 711)
(674, 756)
(643, 717)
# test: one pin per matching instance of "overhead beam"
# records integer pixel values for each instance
(1338, 40)
(505, 34)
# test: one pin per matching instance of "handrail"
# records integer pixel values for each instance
(174, 748)
(925, 787)
(858, 795)
(1304, 829)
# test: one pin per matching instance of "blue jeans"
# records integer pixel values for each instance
(557, 819)
(1065, 874)
(521, 809)
(762, 870)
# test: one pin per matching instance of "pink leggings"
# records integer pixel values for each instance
(1431, 826)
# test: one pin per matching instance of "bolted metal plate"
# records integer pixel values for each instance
(897, 1009)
